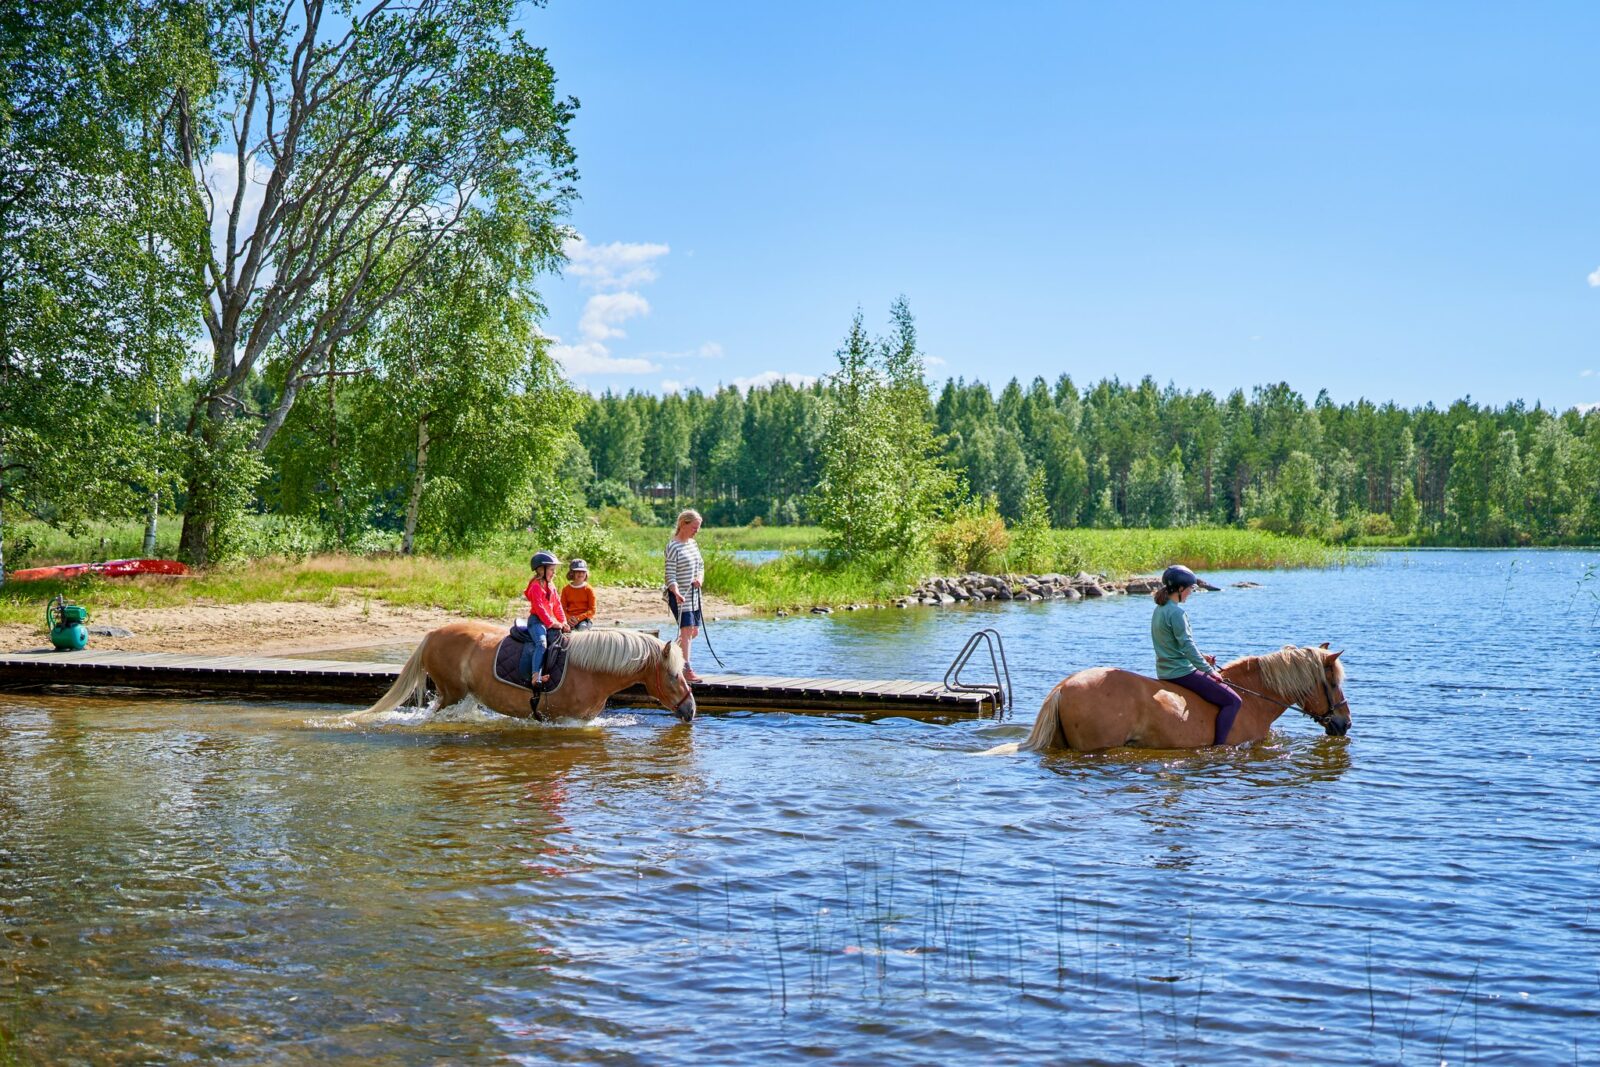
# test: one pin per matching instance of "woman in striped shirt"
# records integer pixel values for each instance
(685, 572)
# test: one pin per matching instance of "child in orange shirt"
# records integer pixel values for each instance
(577, 598)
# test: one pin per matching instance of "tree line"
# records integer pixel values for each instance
(1114, 453)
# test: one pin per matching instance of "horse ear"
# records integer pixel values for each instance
(1324, 645)
(1334, 656)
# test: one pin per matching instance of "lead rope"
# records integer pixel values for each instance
(705, 631)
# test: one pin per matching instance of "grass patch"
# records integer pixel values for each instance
(1119, 553)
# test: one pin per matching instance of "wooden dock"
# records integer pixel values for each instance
(348, 682)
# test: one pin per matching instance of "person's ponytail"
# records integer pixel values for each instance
(1162, 595)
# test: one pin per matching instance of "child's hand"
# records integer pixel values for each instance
(695, 583)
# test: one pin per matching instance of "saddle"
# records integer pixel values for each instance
(508, 660)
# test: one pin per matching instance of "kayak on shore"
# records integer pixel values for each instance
(112, 568)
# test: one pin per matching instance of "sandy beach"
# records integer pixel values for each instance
(278, 628)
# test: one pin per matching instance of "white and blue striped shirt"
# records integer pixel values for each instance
(684, 565)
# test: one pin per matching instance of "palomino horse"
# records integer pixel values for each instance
(1104, 707)
(459, 658)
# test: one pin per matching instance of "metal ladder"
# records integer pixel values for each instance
(1001, 689)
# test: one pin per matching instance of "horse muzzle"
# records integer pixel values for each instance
(685, 711)
(1337, 725)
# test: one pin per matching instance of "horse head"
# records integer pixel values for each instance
(664, 680)
(1311, 679)
(1335, 715)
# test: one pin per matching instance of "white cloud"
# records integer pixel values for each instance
(710, 350)
(1594, 278)
(672, 385)
(592, 357)
(617, 265)
(605, 310)
(767, 377)
(1584, 409)
(934, 361)
(614, 270)
(600, 323)
(1586, 374)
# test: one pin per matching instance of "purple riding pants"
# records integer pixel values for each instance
(1208, 687)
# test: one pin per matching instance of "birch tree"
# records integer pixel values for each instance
(341, 150)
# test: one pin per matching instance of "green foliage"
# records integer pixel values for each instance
(230, 468)
(1030, 535)
(1156, 492)
(884, 483)
(95, 296)
(973, 539)
(590, 542)
(1404, 515)
(1295, 503)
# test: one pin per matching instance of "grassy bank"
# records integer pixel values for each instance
(1119, 553)
(483, 581)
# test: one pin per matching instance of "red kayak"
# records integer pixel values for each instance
(112, 568)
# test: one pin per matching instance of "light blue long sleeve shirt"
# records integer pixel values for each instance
(1176, 654)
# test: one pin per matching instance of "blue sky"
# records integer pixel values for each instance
(1385, 200)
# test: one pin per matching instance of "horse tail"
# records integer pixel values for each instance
(410, 683)
(1046, 732)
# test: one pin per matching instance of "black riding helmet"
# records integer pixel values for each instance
(1177, 577)
(542, 559)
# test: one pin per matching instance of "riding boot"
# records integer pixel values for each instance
(533, 708)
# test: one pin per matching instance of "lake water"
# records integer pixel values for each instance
(249, 883)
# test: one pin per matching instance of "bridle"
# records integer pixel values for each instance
(1320, 718)
(661, 679)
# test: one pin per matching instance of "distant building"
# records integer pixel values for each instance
(660, 492)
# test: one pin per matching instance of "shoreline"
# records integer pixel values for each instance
(281, 628)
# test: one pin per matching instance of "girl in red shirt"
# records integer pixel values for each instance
(544, 612)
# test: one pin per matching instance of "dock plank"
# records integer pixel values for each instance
(348, 681)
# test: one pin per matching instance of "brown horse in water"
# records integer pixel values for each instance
(1104, 707)
(459, 658)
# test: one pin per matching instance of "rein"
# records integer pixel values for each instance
(1298, 705)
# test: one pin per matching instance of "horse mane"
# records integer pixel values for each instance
(620, 651)
(1292, 671)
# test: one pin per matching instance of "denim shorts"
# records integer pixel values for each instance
(685, 616)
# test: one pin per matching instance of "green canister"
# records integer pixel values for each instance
(67, 622)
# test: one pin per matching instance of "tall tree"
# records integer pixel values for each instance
(339, 152)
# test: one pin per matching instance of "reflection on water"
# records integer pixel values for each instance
(261, 883)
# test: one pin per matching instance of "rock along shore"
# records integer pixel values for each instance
(970, 587)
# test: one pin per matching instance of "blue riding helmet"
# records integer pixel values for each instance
(542, 559)
(1177, 576)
